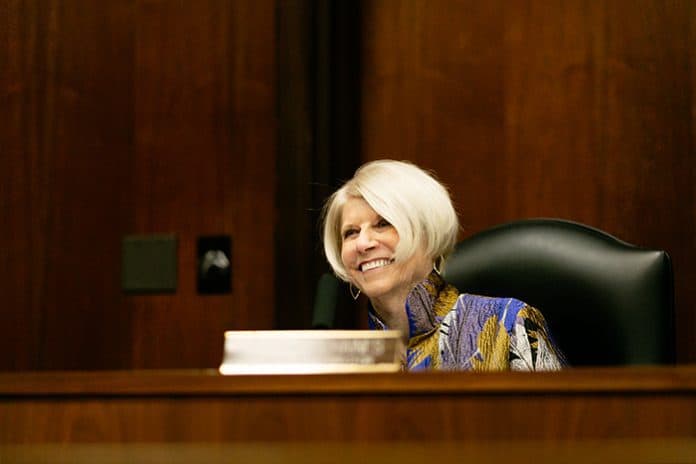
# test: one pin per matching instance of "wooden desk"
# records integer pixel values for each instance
(646, 414)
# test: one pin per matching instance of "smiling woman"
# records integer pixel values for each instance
(367, 253)
(388, 231)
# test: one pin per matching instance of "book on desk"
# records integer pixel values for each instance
(311, 351)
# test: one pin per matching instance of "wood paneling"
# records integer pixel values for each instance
(209, 382)
(205, 165)
(579, 110)
(190, 407)
(403, 452)
(67, 184)
(348, 418)
(132, 117)
(21, 188)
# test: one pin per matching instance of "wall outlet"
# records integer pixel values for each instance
(149, 264)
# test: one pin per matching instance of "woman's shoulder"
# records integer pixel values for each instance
(483, 301)
(506, 309)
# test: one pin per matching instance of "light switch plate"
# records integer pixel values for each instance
(214, 256)
(149, 264)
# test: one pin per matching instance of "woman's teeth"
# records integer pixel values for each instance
(374, 264)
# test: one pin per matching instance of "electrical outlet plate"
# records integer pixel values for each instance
(149, 264)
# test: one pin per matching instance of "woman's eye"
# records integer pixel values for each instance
(347, 233)
(383, 223)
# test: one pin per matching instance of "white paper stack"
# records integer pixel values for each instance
(311, 351)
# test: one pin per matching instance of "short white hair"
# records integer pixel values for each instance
(411, 199)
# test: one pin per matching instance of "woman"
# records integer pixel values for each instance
(387, 232)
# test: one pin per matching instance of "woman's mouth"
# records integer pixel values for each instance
(375, 264)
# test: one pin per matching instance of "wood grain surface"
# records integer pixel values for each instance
(200, 406)
(524, 451)
(610, 380)
(132, 117)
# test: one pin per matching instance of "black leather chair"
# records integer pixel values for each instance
(607, 302)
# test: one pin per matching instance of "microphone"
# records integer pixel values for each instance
(325, 302)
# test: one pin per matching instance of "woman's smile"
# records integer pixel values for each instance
(375, 264)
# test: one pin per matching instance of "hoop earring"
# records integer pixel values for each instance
(437, 265)
(353, 293)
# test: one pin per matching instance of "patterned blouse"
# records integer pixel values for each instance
(453, 331)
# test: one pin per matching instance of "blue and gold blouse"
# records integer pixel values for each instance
(453, 331)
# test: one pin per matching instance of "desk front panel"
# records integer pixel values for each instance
(202, 406)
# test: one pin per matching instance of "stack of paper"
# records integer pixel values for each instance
(311, 352)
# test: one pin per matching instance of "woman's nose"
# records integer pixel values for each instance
(365, 241)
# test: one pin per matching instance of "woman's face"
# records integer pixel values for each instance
(367, 251)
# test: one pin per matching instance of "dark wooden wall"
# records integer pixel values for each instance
(575, 109)
(132, 117)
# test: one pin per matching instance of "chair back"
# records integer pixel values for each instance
(606, 302)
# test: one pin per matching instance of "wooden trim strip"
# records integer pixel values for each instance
(634, 380)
